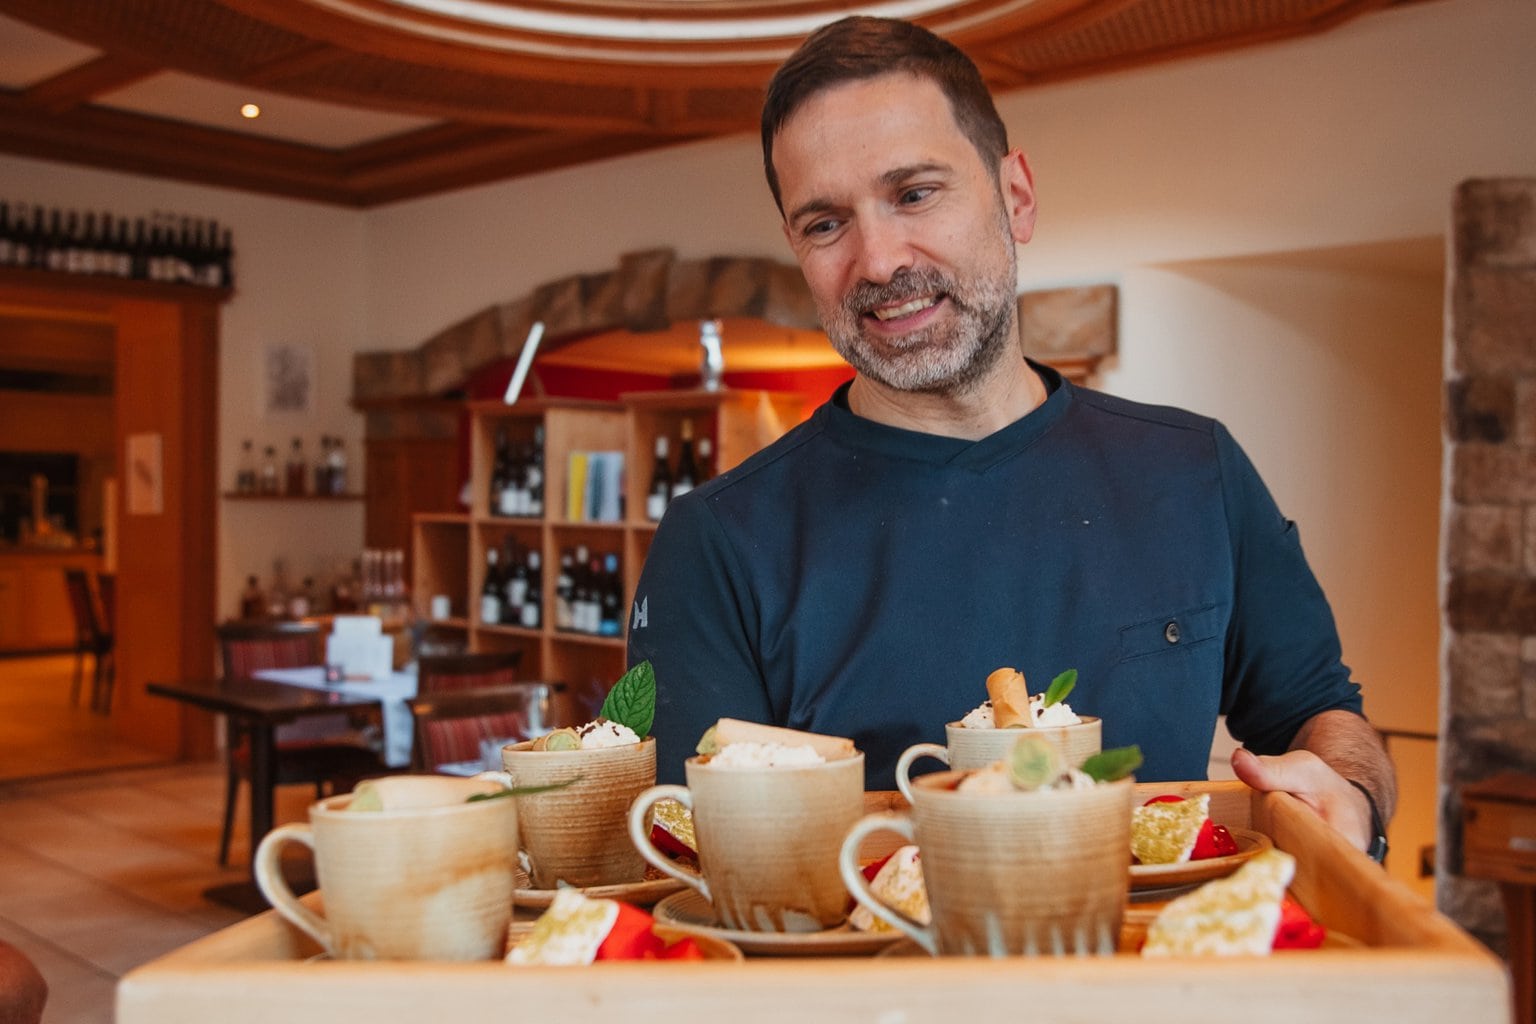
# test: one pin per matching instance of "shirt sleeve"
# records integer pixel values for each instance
(1283, 657)
(693, 618)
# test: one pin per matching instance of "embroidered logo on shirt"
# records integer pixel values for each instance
(642, 614)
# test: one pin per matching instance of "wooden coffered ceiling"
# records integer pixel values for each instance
(372, 101)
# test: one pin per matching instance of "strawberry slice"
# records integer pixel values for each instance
(633, 937)
(670, 845)
(1297, 929)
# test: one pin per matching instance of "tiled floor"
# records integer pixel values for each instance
(43, 733)
(102, 870)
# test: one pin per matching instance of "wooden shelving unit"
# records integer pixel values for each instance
(449, 550)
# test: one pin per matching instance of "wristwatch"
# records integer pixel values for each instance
(1377, 851)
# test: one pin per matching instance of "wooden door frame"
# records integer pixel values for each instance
(167, 342)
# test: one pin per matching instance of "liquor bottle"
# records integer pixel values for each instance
(253, 603)
(296, 469)
(491, 592)
(302, 601)
(533, 597)
(565, 588)
(338, 467)
(517, 479)
(501, 471)
(323, 466)
(516, 584)
(270, 483)
(535, 473)
(687, 476)
(706, 459)
(611, 599)
(581, 589)
(245, 471)
(660, 491)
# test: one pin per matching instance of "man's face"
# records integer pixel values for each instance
(905, 237)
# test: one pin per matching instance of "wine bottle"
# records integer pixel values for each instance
(502, 499)
(611, 598)
(660, 491)
(297, 469)
(492, 590)
(533, 597)
(269, 478)
(517, 586)
(336, 467)
(687, 476)
(245, 472)
(565, 588)
(322, 466)
(535, 474)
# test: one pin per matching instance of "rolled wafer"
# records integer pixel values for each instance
(734, 730)
(1010, 699)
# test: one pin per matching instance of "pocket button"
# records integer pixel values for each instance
(1171, 632)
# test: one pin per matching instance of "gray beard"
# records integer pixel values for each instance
(944, 359)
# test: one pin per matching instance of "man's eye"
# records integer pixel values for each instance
(916, 194)
(825, 226)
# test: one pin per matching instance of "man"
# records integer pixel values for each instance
(956, 508)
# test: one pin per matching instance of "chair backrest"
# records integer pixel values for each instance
(106, 591)
(81, 604)
(247, 647)
(456, 672)
(450, 725)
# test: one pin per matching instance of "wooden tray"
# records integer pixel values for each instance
(1412, 965)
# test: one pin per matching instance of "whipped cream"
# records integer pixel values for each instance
(994, 778)
(765, 755)
(602, 733)
(1060, 713)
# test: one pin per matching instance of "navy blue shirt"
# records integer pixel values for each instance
(862, 580)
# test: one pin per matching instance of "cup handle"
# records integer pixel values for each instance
(269, 879)
(640, 834)
(936, 751)
(858, 885)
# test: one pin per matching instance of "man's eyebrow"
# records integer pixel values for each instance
(892, 178)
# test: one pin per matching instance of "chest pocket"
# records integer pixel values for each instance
(1174, 632)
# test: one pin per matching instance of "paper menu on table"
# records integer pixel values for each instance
(357, 643)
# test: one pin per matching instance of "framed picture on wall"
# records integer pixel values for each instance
(289, 379)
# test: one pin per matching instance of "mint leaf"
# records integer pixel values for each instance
(632, 701)
(1059, 688)
(1109, 765)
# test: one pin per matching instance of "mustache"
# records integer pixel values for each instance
(906, 284)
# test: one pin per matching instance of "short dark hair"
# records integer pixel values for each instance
(860, 47)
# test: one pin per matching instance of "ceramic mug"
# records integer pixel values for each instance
(767, 840)
(426, 882)
(576, 835)
(969, 749)
(1009, 874)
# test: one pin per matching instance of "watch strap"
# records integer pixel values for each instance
(1377, 851)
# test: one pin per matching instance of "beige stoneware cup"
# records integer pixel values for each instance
(1009, 874)
(969, 749)
(576, 835)
(767, 839)
(423, 883)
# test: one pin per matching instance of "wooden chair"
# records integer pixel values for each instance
(337, 761)
(93, 636)
(450, 725)
(442, 673)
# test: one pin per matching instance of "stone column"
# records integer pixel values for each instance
(1488, 557)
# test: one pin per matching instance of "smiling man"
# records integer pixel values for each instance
(956, 508)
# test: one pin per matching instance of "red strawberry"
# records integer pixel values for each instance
(633, 938)
(1297, 929)
(1213, 840)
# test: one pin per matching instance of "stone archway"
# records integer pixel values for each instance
(647, 291)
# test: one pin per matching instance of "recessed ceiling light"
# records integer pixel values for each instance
(250, 110)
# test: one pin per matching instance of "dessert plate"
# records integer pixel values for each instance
(642, 893)
(1159, 876)
(692, 911)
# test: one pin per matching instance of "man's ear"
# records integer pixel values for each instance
(1017, 184)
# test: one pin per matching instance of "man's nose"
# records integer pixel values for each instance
(883, 249)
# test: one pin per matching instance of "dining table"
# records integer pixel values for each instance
(260, 706)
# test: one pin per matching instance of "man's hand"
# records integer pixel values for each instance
(1328, 748)
(1308, 778)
